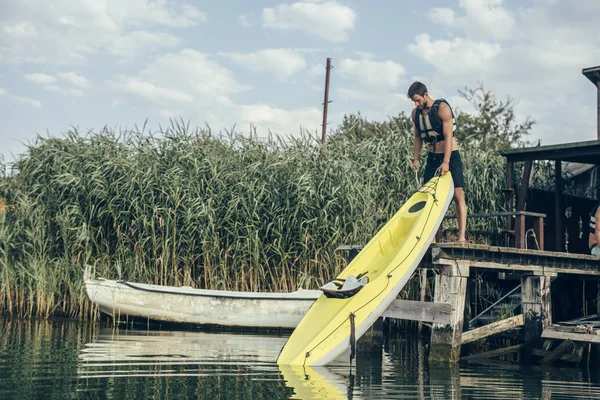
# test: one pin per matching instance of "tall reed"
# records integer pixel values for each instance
(187, 206)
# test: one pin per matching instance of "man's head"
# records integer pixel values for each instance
(417, 92)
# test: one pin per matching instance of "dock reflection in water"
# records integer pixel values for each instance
(398, 370)
(55, 360)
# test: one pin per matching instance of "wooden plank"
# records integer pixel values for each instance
(492, 329)
(562, 349)
(501, 214)
(577, 337)
(539, 352)
(574, 357)
(498, 249)
(495, 353)
(349, 247)
(540, 270)
(574, 329)
(423, 311)
(578, 321)
(577, 355)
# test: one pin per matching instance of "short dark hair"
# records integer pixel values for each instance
(417, 88)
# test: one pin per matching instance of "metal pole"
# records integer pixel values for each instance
(326, 102)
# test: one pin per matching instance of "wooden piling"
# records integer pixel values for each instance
(450, 288)
(536, 305)
(423, 275)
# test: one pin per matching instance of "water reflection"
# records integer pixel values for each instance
(189, 346)
(115, 353)
(315, 382)
(64, 360)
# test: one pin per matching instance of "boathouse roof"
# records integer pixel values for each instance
(587, 152)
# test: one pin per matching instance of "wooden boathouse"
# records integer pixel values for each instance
(556, 293)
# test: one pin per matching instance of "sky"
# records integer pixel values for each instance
(240, 64)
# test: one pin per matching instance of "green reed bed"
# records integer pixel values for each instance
(187, 207)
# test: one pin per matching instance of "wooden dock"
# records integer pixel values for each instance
(453, 265)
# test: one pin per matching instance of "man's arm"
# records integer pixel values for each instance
(598, 226)
(417, 143)
(447, 128)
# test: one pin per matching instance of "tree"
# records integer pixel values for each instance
(359, 128)
(494, 126)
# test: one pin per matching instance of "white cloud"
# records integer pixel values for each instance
(455, 57)
(64, 91)
(282, 63)
(138, 43)
(162, 12)
(170, 114)
(28, 101)
(41, 78)
(354, 94)
(487, 18)
(20, 99)
(329, 20)
(185, 77)
(66, 32)
(371, 81)
(390, 102)
(78, 82)
(280, 120)
(244, 21)
(370, 73)
(317, 70)
(191, 85)
(193, 71)
(21, 29)
(442, 15)
(151, 92)
(483, 19)
(539, 64)
(75, 79)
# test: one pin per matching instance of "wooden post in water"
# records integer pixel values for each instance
(370, 347)
(451, 288)
(423, 274)
(536, 305)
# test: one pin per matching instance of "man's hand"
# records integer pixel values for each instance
(445, 167)
(416, 164)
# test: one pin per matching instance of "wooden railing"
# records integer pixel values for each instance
(519, 230)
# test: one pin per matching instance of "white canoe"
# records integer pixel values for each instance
(199, 306)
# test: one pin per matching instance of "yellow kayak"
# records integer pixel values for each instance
(339, 317)
(317, 383)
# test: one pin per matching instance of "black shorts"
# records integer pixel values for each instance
(434, 160)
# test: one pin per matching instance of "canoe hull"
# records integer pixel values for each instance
(201, 307)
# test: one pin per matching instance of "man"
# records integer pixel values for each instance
(594, 238)
(434, 124)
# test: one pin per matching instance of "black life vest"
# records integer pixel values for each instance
(429, 126)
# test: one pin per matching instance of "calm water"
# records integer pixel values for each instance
(59, 360)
